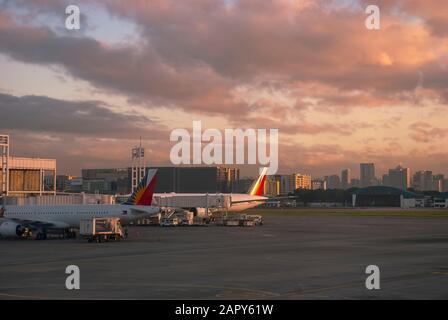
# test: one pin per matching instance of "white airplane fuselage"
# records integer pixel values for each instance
(70, 216)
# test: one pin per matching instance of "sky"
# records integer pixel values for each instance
(338, 93)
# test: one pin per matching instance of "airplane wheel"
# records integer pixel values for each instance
(41, 236)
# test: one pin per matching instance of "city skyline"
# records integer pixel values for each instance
(248, 170)
(118, 180)
(377, 176)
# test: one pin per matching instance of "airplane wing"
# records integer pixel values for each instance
(264, 200)
(140, 211)
(32, 224)
(254, 200)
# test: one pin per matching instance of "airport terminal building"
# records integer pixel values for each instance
(31, 176)
(21, 176)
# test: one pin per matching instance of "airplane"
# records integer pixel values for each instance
(239, 201)
(20, 221)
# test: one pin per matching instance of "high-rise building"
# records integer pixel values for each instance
(423, 181)
(355, 183)
(428, 182)
(63, 183)
(399, 178)
(367, 173)
(385, 180)
(345, 178)
(303, 181)
(439, 180)
(417, 181)
(272, 186)
(287, 184)
(333, 182)
(228, 179)
(77, 185)
(106, 181)
(319, 184)
(292, 182)
(445, 185)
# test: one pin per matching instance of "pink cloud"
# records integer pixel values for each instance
(425, 132)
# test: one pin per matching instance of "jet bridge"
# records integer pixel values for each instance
(184, 200)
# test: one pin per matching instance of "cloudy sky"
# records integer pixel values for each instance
(338, 93)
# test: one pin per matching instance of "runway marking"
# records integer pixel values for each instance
(137, 254)
(317, 290)
(359, 284)
(244, 291)
(27, 297)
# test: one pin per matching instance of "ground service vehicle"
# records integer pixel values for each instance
(101, 229)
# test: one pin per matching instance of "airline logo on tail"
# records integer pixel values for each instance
(257, 187)
(142, 196)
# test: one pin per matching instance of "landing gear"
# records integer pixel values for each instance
(41, 236)
(69, 234)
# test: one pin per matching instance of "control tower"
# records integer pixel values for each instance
(138, 165)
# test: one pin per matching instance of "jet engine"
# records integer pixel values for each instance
(9, 229)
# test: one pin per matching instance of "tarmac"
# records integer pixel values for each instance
(306, 257)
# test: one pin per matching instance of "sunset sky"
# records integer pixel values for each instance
(338, 93)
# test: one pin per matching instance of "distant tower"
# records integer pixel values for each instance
(345, 179)
(367, 173)
(138, 165)
(4, 153)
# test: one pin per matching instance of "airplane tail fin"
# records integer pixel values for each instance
(257, 187)
(142, 196)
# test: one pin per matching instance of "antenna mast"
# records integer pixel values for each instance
(138, 165)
